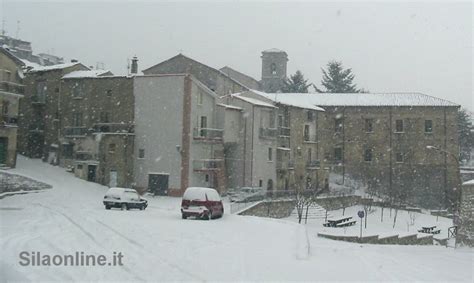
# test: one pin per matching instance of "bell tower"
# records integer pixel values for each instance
(273, 69)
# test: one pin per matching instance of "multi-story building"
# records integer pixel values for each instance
(386, 141)
(300, 162)
(97, 126)
(217, 81)
(250, 141)
(11, 90)
(177, 140)
(40, 116)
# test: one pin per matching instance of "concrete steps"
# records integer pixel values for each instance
(315, 212)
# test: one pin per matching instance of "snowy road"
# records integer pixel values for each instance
(159, 246)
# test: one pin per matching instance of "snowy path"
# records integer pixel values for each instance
(159, 246)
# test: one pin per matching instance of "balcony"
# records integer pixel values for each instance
(113, 128)
(291, 165)
(38, 99)
(203, 165)
(9, 120)
(313, 164)
(12, 87)
(310, 138)
(208, 134)
(268, 133)
(75, 131)
(284, 131)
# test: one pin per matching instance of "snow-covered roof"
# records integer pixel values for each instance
(252, 101)
(29, 64)
(290, 99)
(273, 50)
(361, 99)
(39, 68)
(470, 182)
(229, 106)
(86, 74)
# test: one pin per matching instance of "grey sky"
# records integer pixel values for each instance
(398, 46)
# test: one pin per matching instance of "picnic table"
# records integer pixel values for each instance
(429, 230)
(339, 222)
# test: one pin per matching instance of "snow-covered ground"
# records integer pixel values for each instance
(159, 246)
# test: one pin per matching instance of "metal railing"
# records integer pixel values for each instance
(75, 131)
(208, 134)
(207, 164)
(268, 132)
(310, 138)
(9, 120)
(284, 131)
(113, 128)
(313, 164)
(38, 99)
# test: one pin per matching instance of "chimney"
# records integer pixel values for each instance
(134, 68)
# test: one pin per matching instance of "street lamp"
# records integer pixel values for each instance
(459, 181)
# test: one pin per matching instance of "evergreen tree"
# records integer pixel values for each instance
(336, 79)
(296, 84)
(466, 134)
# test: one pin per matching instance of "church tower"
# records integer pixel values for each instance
(273, 69)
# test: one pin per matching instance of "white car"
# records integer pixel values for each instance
(124, 198)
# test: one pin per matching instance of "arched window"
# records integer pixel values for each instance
(273, 69)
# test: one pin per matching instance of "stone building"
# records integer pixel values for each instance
(274, 63)
(465, 233)
(250, 138)
(11, 90)
(300, 162)
(97, 127)
(381, 141)
(178, 142)
(40, 114)
(242, 78)
(216, 80)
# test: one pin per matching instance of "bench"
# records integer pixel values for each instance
(429, 230)
(346, 224)
(335, 222)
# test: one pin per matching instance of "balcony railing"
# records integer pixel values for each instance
(12, 87)
(284, 131)
(291, 164)
(310, 138)
(9, 120)
(38, 99)
(313, 164)
(113, 128)
(208, 134)
(75, 131)
(207, 164)
(268, 132)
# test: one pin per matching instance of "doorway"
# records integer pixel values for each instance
(91, 173)
(3, 150)
(158, 184)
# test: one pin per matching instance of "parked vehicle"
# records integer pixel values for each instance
(124, 198)
(203, 203)
(247, 194)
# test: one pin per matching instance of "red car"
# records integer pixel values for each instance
(203, 203)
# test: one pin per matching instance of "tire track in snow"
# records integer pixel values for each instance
(172, 265)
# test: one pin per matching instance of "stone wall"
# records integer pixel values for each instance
(272, 209)
(465, 233)
(375, 239)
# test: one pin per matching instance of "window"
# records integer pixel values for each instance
(112, 148)
(108, 93)
(368, 155)
(41, 89)
(310, 157)
(369, 125)
(77, 91)
(270, 154)
(79, 166)
(273, 69)
(306, 133)
(77, 119)
(260, 183)
(203, 126)
(399, 126)
(338, 154)
(399, 157)
(310, 116)
(104, 117)
(206, 178)
(141, 153)
(428, 126)
(280, 120)
(5, 107)
(56, 90)
(8, 76)
(338, 125)
(200, 98)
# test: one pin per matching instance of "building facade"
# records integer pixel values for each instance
(97, 127)
(11, 91)
(39, 122)
(178, 143)
(274, 62)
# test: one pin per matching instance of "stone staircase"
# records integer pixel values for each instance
(315, 212)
